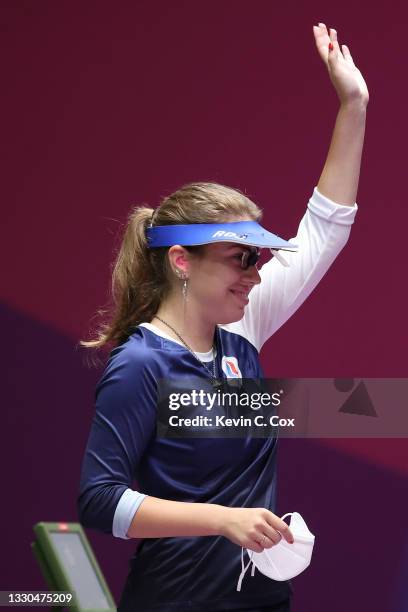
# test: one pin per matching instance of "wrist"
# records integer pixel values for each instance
(220, 519)
(354, 106)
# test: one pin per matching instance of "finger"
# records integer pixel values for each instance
(336, 52)
(270, 539)
(285, 532)
(283, 528)
(320, 30)
(346, 54)
(272, 535)
(255, 546)
(333, 34)
(321, 40)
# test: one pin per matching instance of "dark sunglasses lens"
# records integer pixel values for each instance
(249, 258)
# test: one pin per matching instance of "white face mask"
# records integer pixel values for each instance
(283, 561)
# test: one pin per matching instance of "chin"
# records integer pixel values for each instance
(232, 318)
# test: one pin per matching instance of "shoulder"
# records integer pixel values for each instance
(132, 362)
(233, 335)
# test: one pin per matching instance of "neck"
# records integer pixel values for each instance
(189, 322)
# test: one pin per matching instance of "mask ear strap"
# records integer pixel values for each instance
(279, 257)
(244, 568)
(282, 519)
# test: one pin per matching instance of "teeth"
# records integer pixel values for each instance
(240, 293)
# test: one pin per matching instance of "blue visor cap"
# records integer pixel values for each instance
(249, 233)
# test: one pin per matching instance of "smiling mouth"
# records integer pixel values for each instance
(242, 295)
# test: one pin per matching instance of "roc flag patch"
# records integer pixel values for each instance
(230, 367)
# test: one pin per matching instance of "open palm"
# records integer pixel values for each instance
(344, 74)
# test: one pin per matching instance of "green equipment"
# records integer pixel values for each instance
(68, 564)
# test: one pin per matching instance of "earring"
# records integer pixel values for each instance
(184, 290)
(182, 276)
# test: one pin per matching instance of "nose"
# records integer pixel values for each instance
(252, 275)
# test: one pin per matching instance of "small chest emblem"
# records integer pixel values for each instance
(230, 367)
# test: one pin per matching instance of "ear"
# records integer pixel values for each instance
(179, 258)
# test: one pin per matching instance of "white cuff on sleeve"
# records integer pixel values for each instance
(125, 510)
(329, 210)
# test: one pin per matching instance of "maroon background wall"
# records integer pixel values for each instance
(108, 104)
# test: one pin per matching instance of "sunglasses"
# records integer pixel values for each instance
(250, 257)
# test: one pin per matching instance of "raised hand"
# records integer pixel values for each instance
(344, 74)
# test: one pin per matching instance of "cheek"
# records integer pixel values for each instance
(208, 290)
(212, 278)
(212, 287)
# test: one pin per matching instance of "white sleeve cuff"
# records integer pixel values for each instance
(125, 510)
(329, 210)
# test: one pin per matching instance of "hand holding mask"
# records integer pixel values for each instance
(283, 561)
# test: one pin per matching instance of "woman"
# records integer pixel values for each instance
(206, 311)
